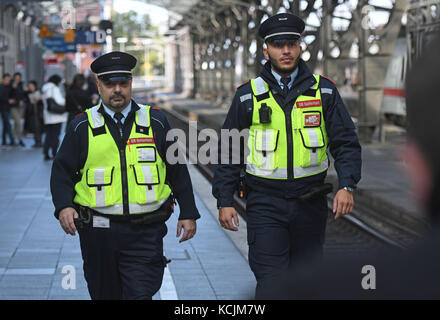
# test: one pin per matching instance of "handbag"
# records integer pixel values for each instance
(54, 107)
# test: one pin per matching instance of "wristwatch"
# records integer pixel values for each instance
(349, 189)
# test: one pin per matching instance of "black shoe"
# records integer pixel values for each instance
(47, 158)
(21, 143)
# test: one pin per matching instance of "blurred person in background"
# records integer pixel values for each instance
(92, 89)
(77, 99)
(52, 121)
(5, 88)
(34, 112)
(16, 100)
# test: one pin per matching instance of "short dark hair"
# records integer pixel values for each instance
(34, 83)
(17, 74)
(423, 105)
(6, 75)
(56, 79)
(78, 81)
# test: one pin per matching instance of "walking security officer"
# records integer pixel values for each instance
(293, 116)
(111, 182)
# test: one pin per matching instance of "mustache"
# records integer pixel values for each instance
(117, 96)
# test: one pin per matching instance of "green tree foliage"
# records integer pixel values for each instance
(131, 25)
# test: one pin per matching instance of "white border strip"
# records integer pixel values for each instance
(280, 33)
(114, 71)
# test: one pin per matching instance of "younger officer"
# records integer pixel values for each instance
(293, 116)
(111, 175)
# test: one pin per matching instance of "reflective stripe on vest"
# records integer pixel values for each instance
(101, 187)
(268, 142)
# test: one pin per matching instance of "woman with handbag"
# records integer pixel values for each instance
(54, 114)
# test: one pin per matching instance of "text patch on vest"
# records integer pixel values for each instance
(308, 103)
(140, 140)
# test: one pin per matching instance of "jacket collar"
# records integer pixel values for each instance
(134, 108)
(304, 73)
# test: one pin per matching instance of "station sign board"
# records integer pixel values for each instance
(90, 37)
(58, 45)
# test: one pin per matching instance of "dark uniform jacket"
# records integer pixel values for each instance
(72, 156)
(343, 141)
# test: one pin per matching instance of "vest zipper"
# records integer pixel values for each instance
(288, 115)
(124, 181)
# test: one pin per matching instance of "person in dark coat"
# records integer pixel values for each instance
(121, 240)
(5, 88)
(77, 99)
(293, 117)
(34, 112)
(17, 97)
(390, 274)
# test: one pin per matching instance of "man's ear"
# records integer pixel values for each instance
(98, 84)
(265, 52)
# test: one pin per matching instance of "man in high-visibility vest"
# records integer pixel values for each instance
(293, 117)
(112, 183)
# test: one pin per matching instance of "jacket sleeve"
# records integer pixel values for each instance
(227, 172)
(177, 173)
(65, 168)
(57, 96)
(343, 141)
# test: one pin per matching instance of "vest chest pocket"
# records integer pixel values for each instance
(265, 145)
(147, 178)
(313, 139)
(101, 180)
(146, 154)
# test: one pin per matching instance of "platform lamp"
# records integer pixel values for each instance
(122, 41)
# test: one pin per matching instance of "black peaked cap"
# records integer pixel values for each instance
(281, 27)
(114, 66)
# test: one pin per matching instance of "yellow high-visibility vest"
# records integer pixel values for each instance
(101, 186)
(268, 143)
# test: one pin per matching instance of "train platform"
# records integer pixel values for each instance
(36, 255)
(383, 193)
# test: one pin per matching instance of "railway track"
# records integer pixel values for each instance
(348, 235)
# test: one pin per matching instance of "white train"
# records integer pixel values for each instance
(393, 102)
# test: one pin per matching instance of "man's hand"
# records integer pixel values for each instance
(66, 217)
(225, 217)
(189, 229)
(342, 203)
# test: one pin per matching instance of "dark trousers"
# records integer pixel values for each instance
(124, 261)
(36, 123)
(7, 129)
(52, 139)
(283, 233)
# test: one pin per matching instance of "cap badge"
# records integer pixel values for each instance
(114, 58)
(282, 19)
